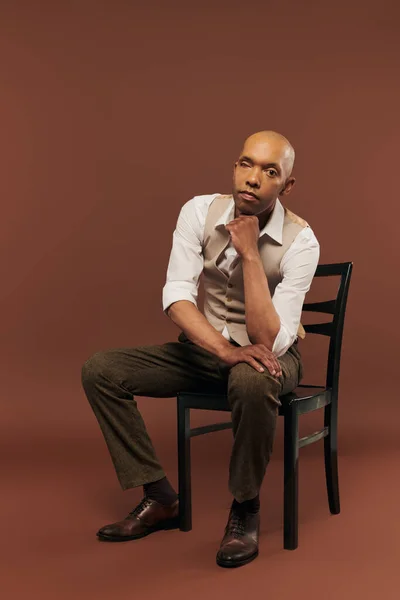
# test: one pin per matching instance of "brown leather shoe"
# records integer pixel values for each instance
(239, 545)
(147, 517)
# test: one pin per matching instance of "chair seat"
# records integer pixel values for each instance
(312, 395)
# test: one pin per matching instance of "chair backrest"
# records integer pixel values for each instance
(337, 308)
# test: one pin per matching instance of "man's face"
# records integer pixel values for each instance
(261, 171)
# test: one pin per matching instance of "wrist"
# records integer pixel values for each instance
(224, 350)
(251, 256)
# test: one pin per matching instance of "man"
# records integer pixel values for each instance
(258, 260)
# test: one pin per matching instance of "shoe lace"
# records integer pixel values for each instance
(236, 525)
(144, 503)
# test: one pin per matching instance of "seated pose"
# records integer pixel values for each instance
(258, 260)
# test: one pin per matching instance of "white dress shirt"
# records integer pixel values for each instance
(186, 262)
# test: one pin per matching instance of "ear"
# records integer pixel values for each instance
(287, 187)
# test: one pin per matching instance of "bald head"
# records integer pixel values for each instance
(262, 173)
(272, 143)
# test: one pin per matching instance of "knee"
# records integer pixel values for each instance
(252, 390)
(95, 367)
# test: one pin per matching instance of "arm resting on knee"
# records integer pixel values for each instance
(196, 327)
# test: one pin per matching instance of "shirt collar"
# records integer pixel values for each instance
(273, 228)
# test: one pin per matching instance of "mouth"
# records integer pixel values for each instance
(248, 196)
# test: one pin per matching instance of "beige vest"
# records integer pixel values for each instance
(224, 296)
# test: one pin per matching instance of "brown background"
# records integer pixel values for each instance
(113, 114)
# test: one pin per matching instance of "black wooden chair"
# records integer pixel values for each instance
(293, 405)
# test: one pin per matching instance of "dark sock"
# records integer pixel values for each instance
(251, 506)
(161, 491)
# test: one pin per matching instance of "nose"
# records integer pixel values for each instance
(253, 178)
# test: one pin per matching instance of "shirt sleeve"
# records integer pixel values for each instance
(186, 259)
(298, 268)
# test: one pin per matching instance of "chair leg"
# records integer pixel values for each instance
(184, 475)
(291, 455)
(331, 462)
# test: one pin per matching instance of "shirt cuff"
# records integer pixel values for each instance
(173, 296)
(283, 341)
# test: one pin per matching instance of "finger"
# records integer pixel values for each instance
(265, 360)
(262, 353)
(278, 367)
(255, 364)
(273, 368)
(276, 364)
(269, 361)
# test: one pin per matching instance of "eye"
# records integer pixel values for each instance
(271, 172)
(243, 163)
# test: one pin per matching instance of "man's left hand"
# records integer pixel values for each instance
(244, 231)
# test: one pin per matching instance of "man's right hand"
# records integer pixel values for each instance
(254, 354)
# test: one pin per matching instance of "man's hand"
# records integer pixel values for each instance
(244, 231)
(253, 355)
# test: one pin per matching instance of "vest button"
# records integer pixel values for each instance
(229, 299)
(228, 320)
(230, 285)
